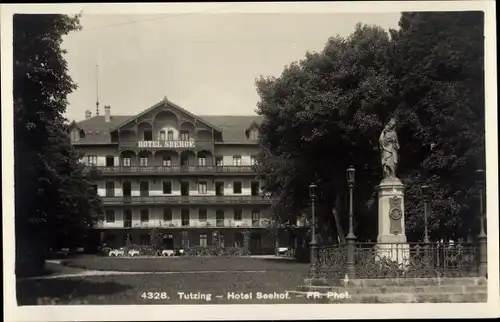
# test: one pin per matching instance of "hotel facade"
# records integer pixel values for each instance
(179, 174)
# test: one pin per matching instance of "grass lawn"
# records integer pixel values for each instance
(182, 264)
(279, 276)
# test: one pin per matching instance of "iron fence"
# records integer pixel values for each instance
(405, 260)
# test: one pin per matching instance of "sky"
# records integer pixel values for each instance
(205, 63)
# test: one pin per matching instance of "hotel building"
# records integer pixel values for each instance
(166, 168)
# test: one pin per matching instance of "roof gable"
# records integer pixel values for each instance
(165, 103)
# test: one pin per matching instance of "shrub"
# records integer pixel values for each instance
(104, 251)
(143, 250)
(215, 251)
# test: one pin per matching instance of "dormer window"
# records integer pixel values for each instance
(254, 135)
(148, 135)
(75, 135)
(184, 135)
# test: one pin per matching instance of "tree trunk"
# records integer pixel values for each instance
(338, 222)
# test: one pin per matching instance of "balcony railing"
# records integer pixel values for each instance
(210, 169)
(180, 225)
(142, 200)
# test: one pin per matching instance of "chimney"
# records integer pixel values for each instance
(107, 113)
(88, 114)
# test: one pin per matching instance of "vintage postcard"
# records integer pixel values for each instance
(249, 161)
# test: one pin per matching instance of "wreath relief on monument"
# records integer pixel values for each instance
(395, 215)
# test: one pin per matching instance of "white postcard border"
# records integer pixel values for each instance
(265, 311)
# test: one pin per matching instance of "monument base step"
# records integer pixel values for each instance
(456, 289)
(477, 297)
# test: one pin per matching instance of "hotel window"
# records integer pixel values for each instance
(144, 215)
(110, 161)
(110, 216)
(167, 161)
(237, 160)
(202, 188)
(202, 161)
(219, 161)
(203, 240)
(221, 239)
(100, 218)
(238, 214)
(167, 214)
(110, 238)
(162, 135)
(184, 135)
(253, 160)
(126, 162)
(254, 135)
(96, 190)
(185, 217)
(148, 135)
(75, 135)
(92, 160)
(143, 161)
(202, 215)
(167, 187)
(144, 239)
(254, 188)
(144, 188)
(170, 135)
(255, 217)
(219, 218)
(110, 189)
(127, 218)
(237, 187)
(238, 240)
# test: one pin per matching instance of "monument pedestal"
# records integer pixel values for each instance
(392, 242)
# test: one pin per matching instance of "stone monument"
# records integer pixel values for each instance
(392, 242)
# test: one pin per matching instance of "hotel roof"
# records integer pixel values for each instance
(234, 128)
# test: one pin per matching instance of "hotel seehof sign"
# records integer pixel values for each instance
(166, 144)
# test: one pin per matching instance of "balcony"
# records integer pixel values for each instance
(176, 169)
(181, 200)
(177, 224)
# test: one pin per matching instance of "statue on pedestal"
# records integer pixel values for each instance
(389, 147)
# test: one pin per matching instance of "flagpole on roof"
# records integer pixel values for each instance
(97, 89)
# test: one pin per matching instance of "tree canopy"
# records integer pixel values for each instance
(325, 113)
(54, 195)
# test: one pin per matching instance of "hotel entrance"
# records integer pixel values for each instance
(168, 242)
(255, 243)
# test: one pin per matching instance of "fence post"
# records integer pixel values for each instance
(483, 255)
(482, 238)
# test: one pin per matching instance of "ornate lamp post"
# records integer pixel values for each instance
(482, 240)
(425, 193)
(351, 238)
(314, 245)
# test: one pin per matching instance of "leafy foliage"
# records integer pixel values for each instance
(55, 198)
(322, 115)
(440, 71)
(326, 112)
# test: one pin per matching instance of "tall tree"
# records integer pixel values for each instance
(440, 70)
(54, 196)
(326, 112)
(322, 115)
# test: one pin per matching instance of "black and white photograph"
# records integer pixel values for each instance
(282, 158)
